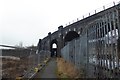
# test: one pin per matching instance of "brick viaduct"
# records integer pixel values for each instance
(76, 29)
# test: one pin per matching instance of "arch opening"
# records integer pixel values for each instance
(70, 36)
(54, 48)
(54, 45)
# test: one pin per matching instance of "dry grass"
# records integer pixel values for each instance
(66, 70)
(14, 68)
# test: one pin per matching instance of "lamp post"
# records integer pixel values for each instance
(38, 57)
(29, 59)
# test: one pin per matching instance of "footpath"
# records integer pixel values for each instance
(49, 71)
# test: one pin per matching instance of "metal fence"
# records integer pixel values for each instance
(96, 52)
(97, 10)
(23, 63)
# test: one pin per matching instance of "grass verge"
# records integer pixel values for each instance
(66, 70)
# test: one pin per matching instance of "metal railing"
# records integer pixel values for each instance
(96, 51)
(93, 12)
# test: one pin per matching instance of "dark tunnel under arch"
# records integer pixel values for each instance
(70, 36)
(53, 50)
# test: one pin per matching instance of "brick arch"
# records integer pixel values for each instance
(70, 36)
(54, 51)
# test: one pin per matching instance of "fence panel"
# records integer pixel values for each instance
(96, 52)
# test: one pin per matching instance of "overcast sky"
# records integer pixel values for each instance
(29, 20)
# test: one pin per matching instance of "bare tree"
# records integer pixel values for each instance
(21, 44)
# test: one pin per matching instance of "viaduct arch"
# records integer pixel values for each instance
(77, 29)
(53, 48)
(70, 36)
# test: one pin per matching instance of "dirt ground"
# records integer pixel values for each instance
(14, 68)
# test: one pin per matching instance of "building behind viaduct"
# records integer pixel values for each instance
(101, 22)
